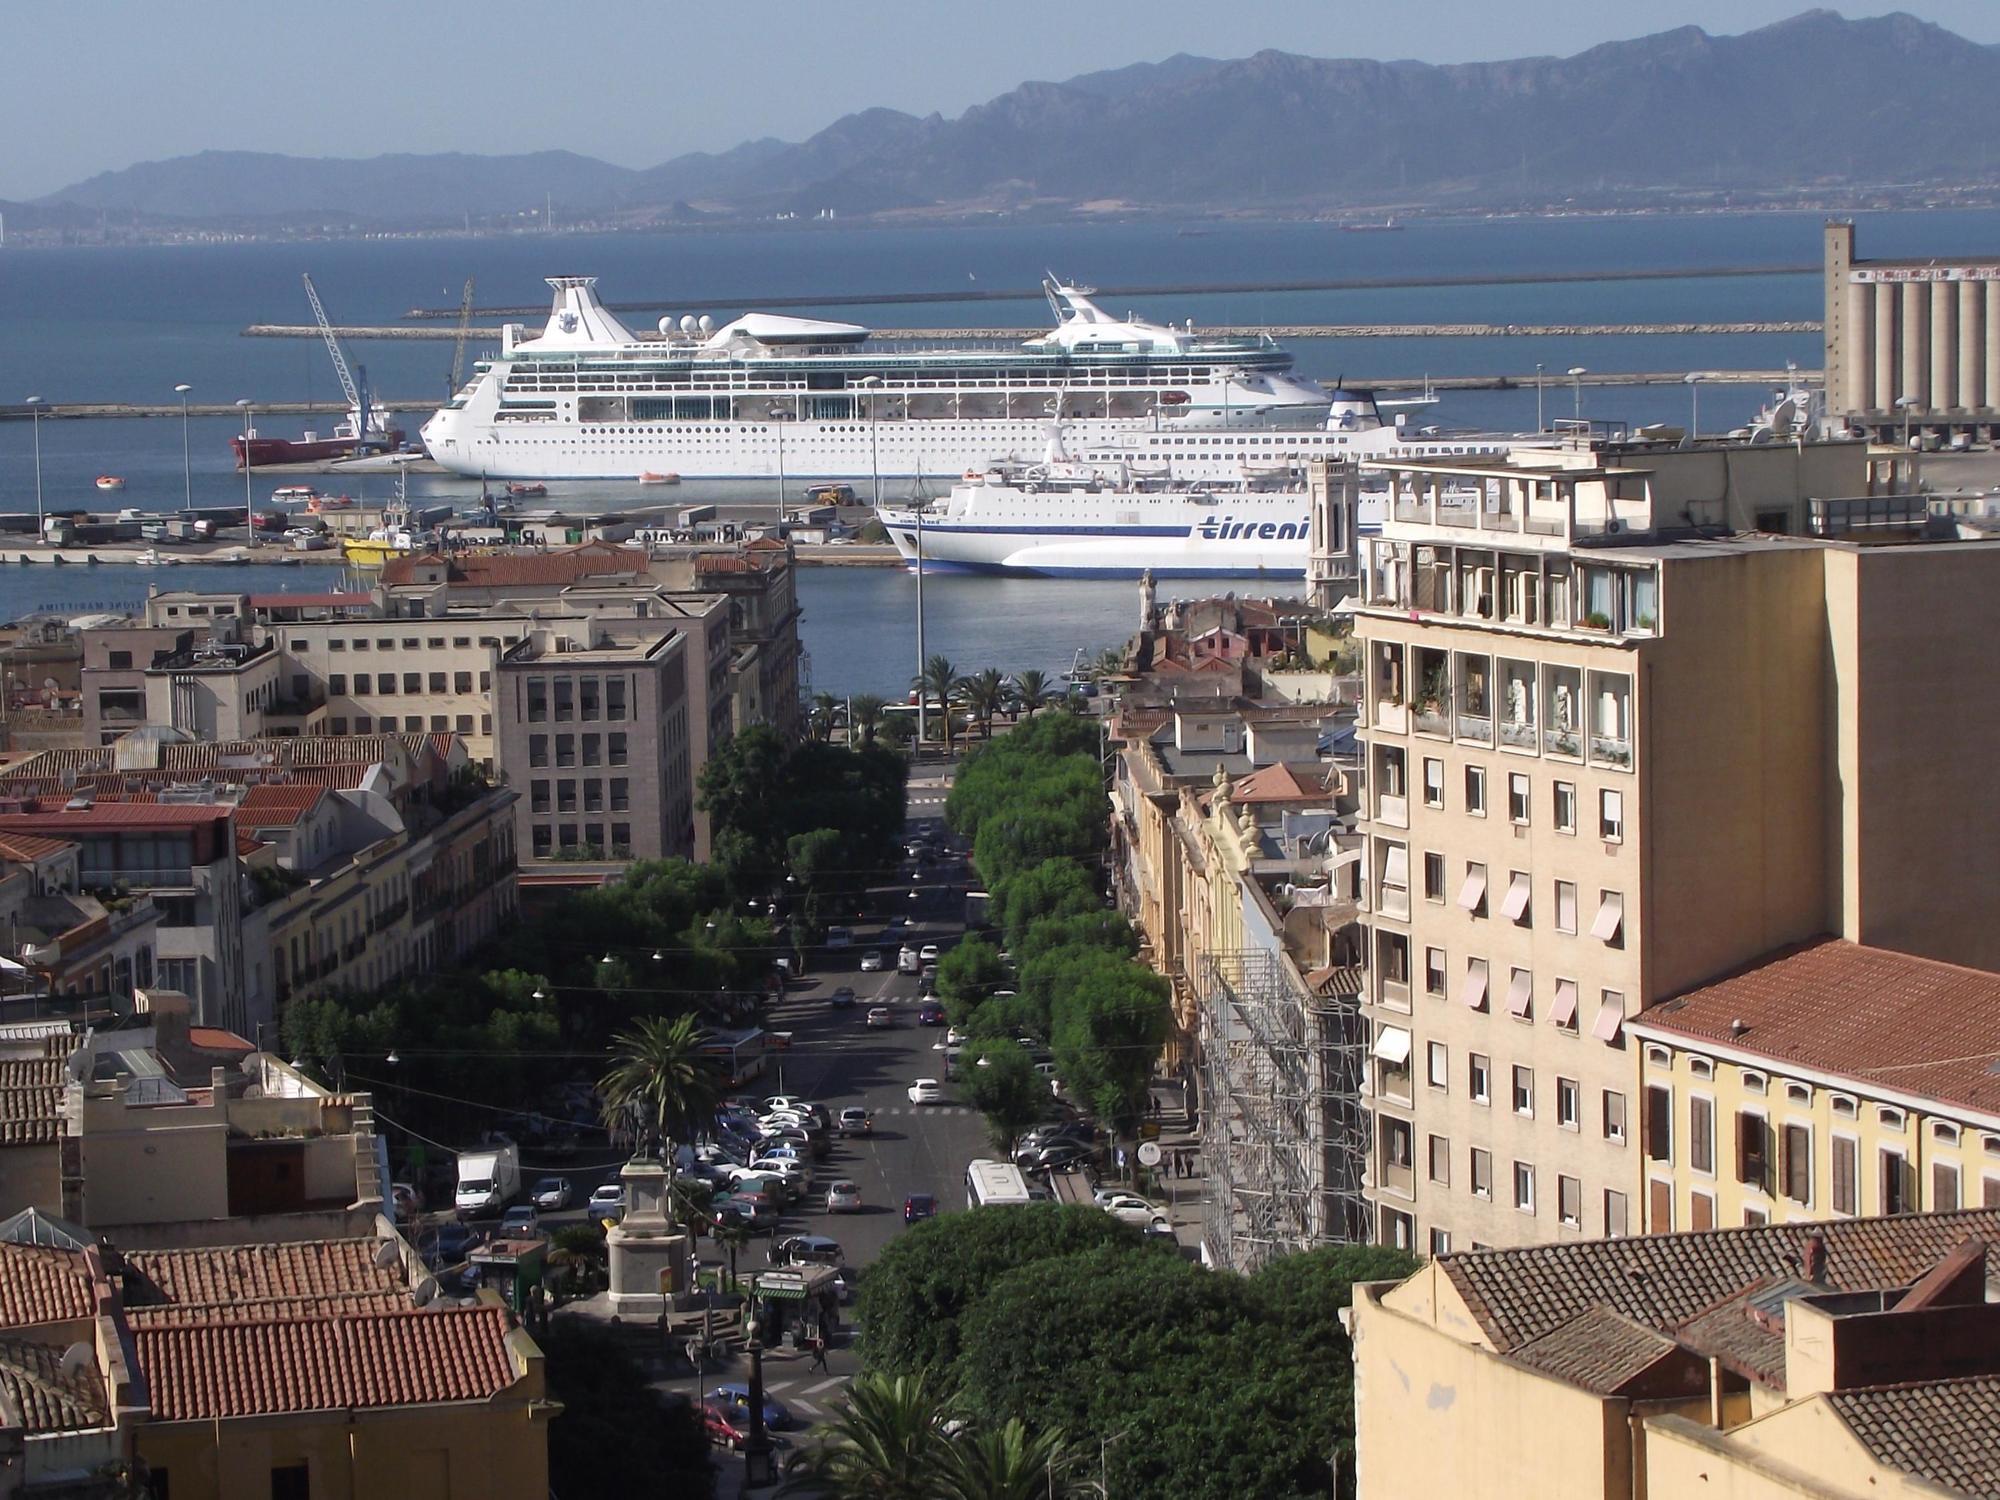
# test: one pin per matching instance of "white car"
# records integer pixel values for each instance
(871, 961)
(786, 1102)
(794, 1172)
(880, 1017)
(928, 953)
(843, 1197)
(608, 1201)
(926, 1091)
(955, 1036)
(1128, 1208)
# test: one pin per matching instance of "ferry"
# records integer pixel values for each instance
(773, 396)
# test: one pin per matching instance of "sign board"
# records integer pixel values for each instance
(778, 1041)
(1149, 1154)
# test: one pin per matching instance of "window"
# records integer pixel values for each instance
(1700, 1067)
(1701, 1134)
(1524, 1090)
(1944, 1187)
(336, 684)
(1437, 1065)
(593, 751)
(1753, 1082)
(461, 682)
(1701, 1210)
(1475, 791)
(361, 683)
(1482, 1173)
(538, 700)
(1889, 1119)
(538, 796)
(1433, 875)
(1472, 894)
(1796, 1164)
(1611, 816)
(437, 681)
(1515, 906)
(565, 691)
(565, 749)
(566, 795)
(463, 724)
(1753, 1150)
(291, 1482)
(593, 795)
(413, 682)
(1519, 797)
(1473, 993)
(616, 744)
(1440, 1245)
(538, 749)
(1944, 1132)
(587, 698)
(1799, 1094)
(1433, 782)
(1608, 926)
(1440, 1161)
(1659, 1123)
(412, 723)
(614, 699)
(1524, 1187)
(338, 726)
(1562, 1010)
(385, 684)
(621, 840)
(1434, 972)
(364, 725)
(1569, 1201)
(1614, 1214)
(1898, 1183)
(1846, 1175)
(1569, 1104)
(1566, 906)
(1478, 1076)
(621, 794)
(1565, 807)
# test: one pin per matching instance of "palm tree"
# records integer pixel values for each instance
(661, 1088)
(887, 1444)
(732, 1234)
(1110, 662)
(985, 694)
(867, 710)
(940, 680)
(1031, 691)
(825, 709)
(1014, 1462)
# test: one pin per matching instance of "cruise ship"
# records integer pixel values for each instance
(795, 398)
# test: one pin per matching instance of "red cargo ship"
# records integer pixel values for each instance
(350, 438)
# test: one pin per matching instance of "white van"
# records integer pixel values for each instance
(907, 961)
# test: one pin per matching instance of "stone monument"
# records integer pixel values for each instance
(651, 1267)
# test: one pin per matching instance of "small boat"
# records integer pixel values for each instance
(153, 558)
(649, 477)
(525, 491)
(110, 482)
(321, 503)
(294, 494)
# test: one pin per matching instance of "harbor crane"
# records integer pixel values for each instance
(368, 428)
(458, 345)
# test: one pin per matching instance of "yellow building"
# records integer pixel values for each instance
(1830, 1079)
(1619, 743)
(1846, 1359)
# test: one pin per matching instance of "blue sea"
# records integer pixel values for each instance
(127, 324)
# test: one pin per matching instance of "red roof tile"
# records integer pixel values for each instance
(218, 1039)
(258, 1273)
(512, 569)
(48, 1398)
(1909, 1024)
(29, 847)
(1279, 783)
(314, 601)
(114, 815)
(416, 1358)
(42, 1285)
(31, 1100)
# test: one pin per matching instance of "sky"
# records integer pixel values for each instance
(93, 85)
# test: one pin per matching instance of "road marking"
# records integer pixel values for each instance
(807, 1407)
(814, 1390)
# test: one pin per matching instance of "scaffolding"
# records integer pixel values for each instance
(1283, 1130)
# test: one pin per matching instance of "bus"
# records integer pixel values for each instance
(738, 1055)
(991, 1183)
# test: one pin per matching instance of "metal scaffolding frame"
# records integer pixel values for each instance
(1283, 1129)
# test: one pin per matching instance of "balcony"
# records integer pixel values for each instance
(1392, 716)
(1394, 811)
(1393, 901)
(1611, 751)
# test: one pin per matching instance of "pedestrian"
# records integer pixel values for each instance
(819, 1355)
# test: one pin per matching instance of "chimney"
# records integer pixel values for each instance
(1812, 1261)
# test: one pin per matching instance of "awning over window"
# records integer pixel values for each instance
(1564, 1012)
(1609, 1019)
(1517, 897)
(1474, 890)
(1392, 1045)
(1396, 866)
(1520, 990)
(782, 1292)
(1472, 991)
(1610, 917)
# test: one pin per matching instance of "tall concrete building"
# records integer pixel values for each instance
(1617, 746)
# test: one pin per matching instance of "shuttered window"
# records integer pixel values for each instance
(1659, 1123)
(1753, 1152)
(1659, 1206)
(1944, 1187)
(1798, 1163)
(1896, 1184)
(1846, 1175)
(1701, 1134)
(1701, 1211)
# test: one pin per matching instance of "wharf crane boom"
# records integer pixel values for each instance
(332, 346)
(458, 347)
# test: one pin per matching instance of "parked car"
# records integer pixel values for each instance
(881, 1018)
(755, 1211)
(931, 1013)
(843, 1197)
(919, 1206)
(550, 1194)
(727, 1426)
(1059, 1156)
(856, 1121)
(1130, 1208)
(926, 1091)
(808, 1250)
(907, 961)
(955, 1037)
(408, 1203)
(842, 998)
(928, 953)
(521, 1222)
(607, 1201)
(734, 1398)
(453, 1239)
(789, 1170)
(871, 961)
(787, 1101)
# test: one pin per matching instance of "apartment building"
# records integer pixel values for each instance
(1832, 1359)
(1616, 747)
(594, 739)
(1828, 1079)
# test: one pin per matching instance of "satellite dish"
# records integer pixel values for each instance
(705, 323)
(667, 325)
(1785, 415)
(687, 322)
(386, 1254)
(78, 1358)
(426, 1290)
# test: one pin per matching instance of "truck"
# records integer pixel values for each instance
(990, 1184)
(488, 1179)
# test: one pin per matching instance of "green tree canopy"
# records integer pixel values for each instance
(1053, 888)
(966, 975)
(1108, 1029)
(1001, 1082)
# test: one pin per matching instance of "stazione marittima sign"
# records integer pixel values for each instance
(1875, 274)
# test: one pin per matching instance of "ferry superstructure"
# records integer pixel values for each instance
(785, 397)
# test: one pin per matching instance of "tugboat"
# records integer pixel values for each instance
(523, 491)
(110, 482)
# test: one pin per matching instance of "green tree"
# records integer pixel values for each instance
(915, 1294)
(939, 683)
(825, 714)
(1002, 1084)
(660, 1089)
(985, 694)
(899, 730)
(1053, 888)
(1108, 1029)
(886, 1443)
(966, 975)
(1102, 928)
(1012, 1461)
(614, 1423)
(1031, 691)
(867, 709)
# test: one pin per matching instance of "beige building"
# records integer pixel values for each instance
(1829, 1079)
(1616, 746)
(1846, 1359)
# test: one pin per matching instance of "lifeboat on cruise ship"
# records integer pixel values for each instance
(649, 477)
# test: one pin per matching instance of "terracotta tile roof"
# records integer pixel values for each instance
(31, 1100)
(1946, 1431)
(1662, 1280)
(294, 750)
(1909, 1024)
(42, 1285)
(114, 815)
(31, 1375)
(384, 1359)
(1605, 1351)
(64, 758)
(1752, 1347)
(29, 847)
(193, 1314)
(266, 806)
(513, 569)
(310, 601)
(1280, 782)
(242, 1275)
(218, 1039)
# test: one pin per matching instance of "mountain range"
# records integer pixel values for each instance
(1813, 102)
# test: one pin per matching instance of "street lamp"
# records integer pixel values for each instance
(244, 405)
(1540, 425)
(35, 414)
(778, 421)
(1576, 374)
(187, 468)
(1904, 404)
(1694, 378)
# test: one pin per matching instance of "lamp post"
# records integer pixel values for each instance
(1694, 379)
(34, 404)
(1540, 424)
(917, 506)
(1576, 374)
(244, 405)
(187, 466)
(1904, 404)
(778, 421)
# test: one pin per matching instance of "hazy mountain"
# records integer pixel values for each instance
(1813, 100)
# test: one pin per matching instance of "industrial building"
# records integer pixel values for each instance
(1912, 346)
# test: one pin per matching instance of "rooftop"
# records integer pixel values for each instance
(1946, 1431)
(1908, 1025)
(514, 569)
(242, 1283)
(40, 1284)
(31, 1100)
(49, 1398)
